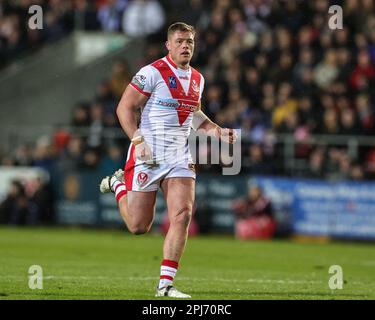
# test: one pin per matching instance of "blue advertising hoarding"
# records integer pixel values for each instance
(310, 207)
(336, 209)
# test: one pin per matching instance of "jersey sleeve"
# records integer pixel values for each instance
(144, 81)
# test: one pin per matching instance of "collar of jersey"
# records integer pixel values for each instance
(175, 66)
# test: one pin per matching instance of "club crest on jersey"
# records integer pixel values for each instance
(142, 178)
(172, 82)
(195, 86)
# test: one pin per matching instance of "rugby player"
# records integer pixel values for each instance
(168, 92)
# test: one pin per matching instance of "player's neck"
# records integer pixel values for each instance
(183, 66)
(177, 65)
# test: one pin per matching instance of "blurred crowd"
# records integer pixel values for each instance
(81, 144)
(275, 67)
(61, 17)
(76, 147)
(30, 203)
(271, 68)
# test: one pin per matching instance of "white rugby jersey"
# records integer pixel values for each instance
(166, 119)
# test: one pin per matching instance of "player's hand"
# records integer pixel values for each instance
(142, 150)
(227, 135)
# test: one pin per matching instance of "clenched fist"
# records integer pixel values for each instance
(227, 135)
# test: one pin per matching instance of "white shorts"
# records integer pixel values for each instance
(140, 176)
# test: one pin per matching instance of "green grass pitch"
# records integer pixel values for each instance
(92, 264)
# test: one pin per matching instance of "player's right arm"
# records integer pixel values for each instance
(127, 110)
(134, 97)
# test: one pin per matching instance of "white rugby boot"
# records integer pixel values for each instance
(106, 183)
(171, 291)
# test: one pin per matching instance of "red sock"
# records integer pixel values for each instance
(120, 189)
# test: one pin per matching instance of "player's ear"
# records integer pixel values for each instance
(167, 44)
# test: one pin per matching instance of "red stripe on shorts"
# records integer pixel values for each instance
(129, 170)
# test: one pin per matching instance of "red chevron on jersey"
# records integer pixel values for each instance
(187, 101)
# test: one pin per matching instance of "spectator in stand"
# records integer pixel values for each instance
(349, 122)
(333, 158)
(285, 104)
(71, 158)
(91, 160)
(267, 106)
(254, 216)
(330, 123)
(344, 168)
(86, 16)
(326, 71)
(95, 136)
(305, 62)
(306, 84)
(11, 35)
(213, 99)
(344, 63)
(365, 114)
(52, 29)
(289, 124)
(363, 74)
(112, 160)
(120, 78)
(43, 201)
(282, 70)
(369, 165)
(44, 156)
(357, 172)
(339, 165)
(17, 209)
(81, 116)
(372, 42)
(194, 12)
(142, 18)
(307, 116)
(110, 15)
(24, 155)
(316, 164)
(105, 96)
(255, 162)
(60, 140)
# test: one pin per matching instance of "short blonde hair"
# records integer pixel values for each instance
(180, 26)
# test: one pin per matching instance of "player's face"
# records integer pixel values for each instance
(180, 45)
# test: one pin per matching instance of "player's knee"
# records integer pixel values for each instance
(139, 229)
(183, 216)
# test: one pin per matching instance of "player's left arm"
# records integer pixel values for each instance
(202, 122)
